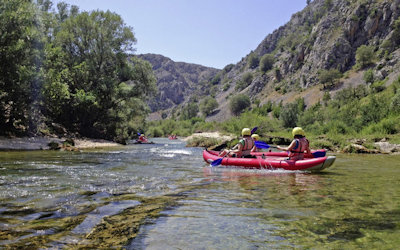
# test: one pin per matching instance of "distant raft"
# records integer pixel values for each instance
(275, 160)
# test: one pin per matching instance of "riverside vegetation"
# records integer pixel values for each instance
(362, 115)
(65, 70)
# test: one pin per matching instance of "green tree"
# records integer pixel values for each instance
(329, 77)
(208, 105)
(369, 76)
(101, 89)
(301, 104)
(239, 103)
(266, 62)
(189, 111)
(364, 56)
(252, 61)
(374, 110)
(21, 43)
(289, 115)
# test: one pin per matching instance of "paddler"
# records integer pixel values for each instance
(243, 148)
(142, 138)
(255, 137)
(298, 146)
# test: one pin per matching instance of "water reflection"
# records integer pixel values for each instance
(294, 181)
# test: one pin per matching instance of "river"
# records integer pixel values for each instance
(164, 196)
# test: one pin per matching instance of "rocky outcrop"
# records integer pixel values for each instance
(388, 148)
(323, 36)
(176, 81)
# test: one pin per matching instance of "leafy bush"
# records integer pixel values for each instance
(395, 103)
(337, 127)
(288, 115)
(155, 132)
(189, 111)
(226, 86)
(216, 79)
(329, 77)
(378, 86)
(369, 76)
(239, 103)
(364, 56)
(252, 61)
(245, 81)
(266, 62)
(374, 110)
(390, 125)
(208, 105)
(202, 142)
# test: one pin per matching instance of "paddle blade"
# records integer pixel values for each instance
(254, 130)
(216, 162)
(261, 144)
(319, 154)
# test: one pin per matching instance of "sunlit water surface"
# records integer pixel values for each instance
(354, 204)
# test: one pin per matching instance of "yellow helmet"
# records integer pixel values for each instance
(246, 131)
(298, 131)
(255, 137)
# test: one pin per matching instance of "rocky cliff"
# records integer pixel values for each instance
(177, 82)
(324, 36)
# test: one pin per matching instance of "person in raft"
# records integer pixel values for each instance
(142, 138)
(255, 137)
(298, 146)
(243, 148)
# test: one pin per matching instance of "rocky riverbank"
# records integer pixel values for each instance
(46, 143)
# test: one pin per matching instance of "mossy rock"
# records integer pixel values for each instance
(53, 145)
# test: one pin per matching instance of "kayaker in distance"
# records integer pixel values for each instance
(255, 137)
(142, 138)
(172, 137)
(298, 146)
(243, 148)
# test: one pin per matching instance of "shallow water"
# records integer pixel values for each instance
(164, 196)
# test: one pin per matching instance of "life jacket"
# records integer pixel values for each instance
(248, 144)
(297, 153)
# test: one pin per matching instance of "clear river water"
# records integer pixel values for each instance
(164, 196)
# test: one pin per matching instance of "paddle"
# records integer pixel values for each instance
(261, 144)
(254, 130)
(217, 161)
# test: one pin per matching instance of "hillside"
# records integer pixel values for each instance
(177, 82)
(324, 37)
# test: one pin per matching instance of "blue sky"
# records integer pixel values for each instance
(212, 33)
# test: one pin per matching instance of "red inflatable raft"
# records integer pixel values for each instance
(273, 160)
